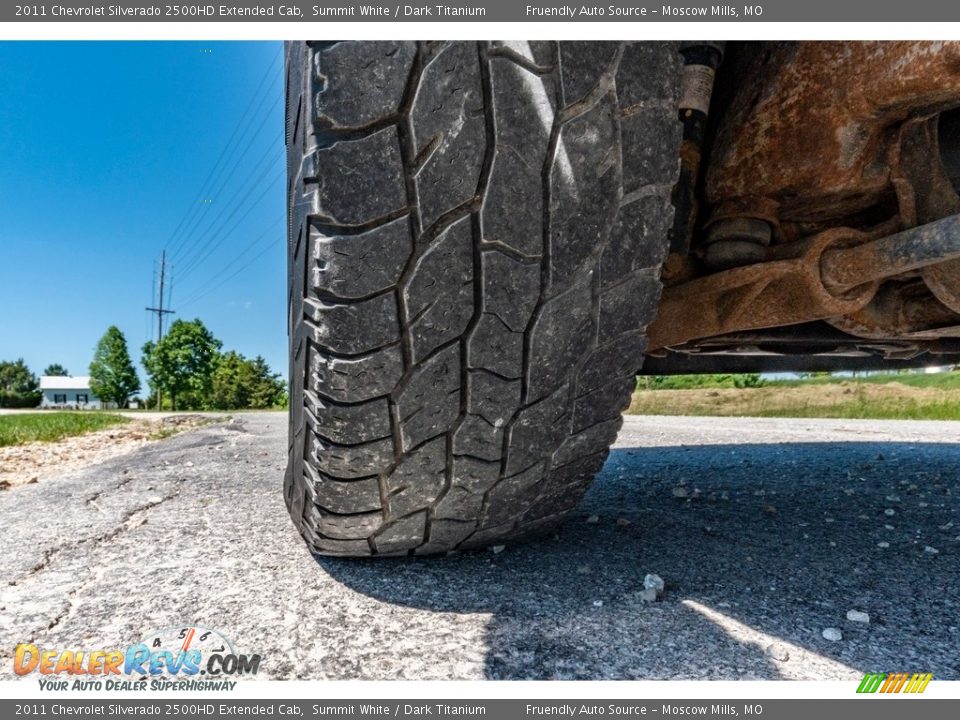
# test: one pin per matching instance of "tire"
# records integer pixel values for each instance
(476, 232)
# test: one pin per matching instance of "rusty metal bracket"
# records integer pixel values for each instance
(832, 274)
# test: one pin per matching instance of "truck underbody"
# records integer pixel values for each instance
(816, 224)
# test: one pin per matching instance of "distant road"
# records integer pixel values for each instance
(766, 533)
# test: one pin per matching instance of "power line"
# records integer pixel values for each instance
(207, 249)
(245, 115)
(208, 290)
(184, 243)
(239, 256)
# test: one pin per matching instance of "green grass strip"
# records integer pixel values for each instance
(20, 428)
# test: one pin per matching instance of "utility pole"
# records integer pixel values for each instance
(161, 311)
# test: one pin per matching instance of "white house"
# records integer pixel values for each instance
(68, 392)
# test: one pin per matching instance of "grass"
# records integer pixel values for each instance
(893, 397)
(941, 381)
(18, 429)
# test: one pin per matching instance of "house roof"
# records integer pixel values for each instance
(68, 382)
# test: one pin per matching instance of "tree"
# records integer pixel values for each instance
(183, 362)
(240, 383)
(18, 386)
(232, 382)
(268, 388)
(56, 370)
(112, 375)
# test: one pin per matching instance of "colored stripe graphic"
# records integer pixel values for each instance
(889, 683)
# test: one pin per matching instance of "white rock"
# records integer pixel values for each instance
(778, 651)
(833, 634)
(598, 603)
(858, 616)
(593, 519)
(648, 595)
(931, 550)
(653, 582)
(889, 512)
(680, 492)
(883, 544)
(495, 549)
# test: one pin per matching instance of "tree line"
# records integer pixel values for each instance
(186, 370)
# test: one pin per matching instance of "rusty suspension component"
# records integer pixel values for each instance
(810, 139)
(700, 63)
(834, 273)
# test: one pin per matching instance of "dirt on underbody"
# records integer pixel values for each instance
(36, 461)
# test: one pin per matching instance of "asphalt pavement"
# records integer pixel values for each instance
(765, 533)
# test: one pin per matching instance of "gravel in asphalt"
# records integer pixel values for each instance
(765, 533)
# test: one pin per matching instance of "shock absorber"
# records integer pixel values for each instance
(700, 62)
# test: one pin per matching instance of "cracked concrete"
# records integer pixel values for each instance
(765, 531)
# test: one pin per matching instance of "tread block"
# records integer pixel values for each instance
(402, 535)
(494, 346)
(479, 438)
(438, 297)
(646, 132)
(342, 548)
(604, 403)
(418, 478)
(344, 496)
(353, 328)
(585, 186)
(510, 288)
(491, 397)
(510, 497)
(564, 487)
(594, 439)
(354, 266)
(350, 424)
(539, 53)
(487, 535)
(582, 65)
(629, 306)
(359, 181)
(430, 402)
(355, 379)
(448, 123)
(561, 333)
(619, 358)
(347, 461)
(470, 481)
(537, 431)
(648, 72)
(355, 526)
(523, 115)
(357, 84)
(637, 240)
(445, 534)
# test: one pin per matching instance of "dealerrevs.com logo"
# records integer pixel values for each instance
(174, 658)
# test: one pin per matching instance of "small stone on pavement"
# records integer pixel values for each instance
(833, 634)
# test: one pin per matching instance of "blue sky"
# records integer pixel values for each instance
(105, 151)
